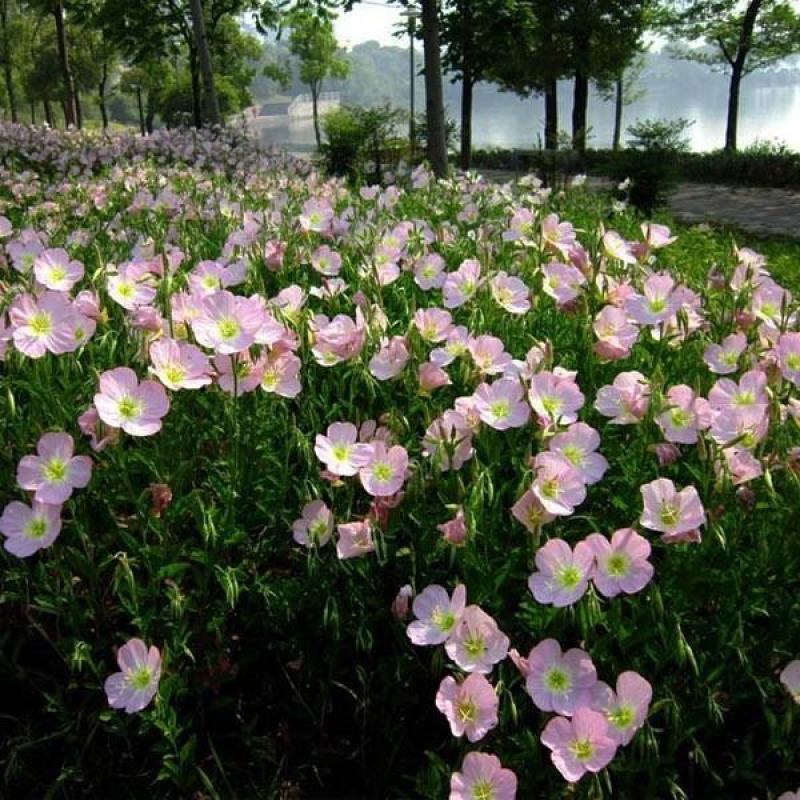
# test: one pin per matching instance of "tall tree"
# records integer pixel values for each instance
(313, 42)
(741, 37)
(7, 54)
(204, 57)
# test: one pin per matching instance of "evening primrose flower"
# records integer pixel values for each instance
(385, 471)
(43, 324)
(55, 269)
(134, 687)
(477, 644)
(788, 353)
(355, 539)
(621, 565)
(179, 365)
(227, 323)
(390, 360)
(555, 397)
(483, 777)
(626, 400)
(239, 374)
(280, 373)
(530, 512)
(429, 272)
(626, 709)
(616, 335)
(340, 451)
(448, 441)
(510, 293)
(790, 678)
(556, 681)
(455, 346)
(54, 471)
(578, 445)
(123, 402)
(677, 515)
(501, 405)
(326, 261)
(558, 485)
(437, 614)
(579, 745)
(562, 282)
(557, 235)
(433, 324)
(470, 705)
(562, 575)
(29, 528)
(315, 525)
(686, 414)
(460, 286)
(489, 354)
(750, 393)
(723, 359)
(128, 288)
(658, 302)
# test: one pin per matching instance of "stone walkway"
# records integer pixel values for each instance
(761, 211)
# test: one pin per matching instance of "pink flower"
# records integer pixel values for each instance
(790, 678)
(385, 472)
(658, 304)
(677, 515)
(401, 602)
(29, 528)
(55, 270)
(456, 345)
(429, 272)
(433, 324)
(90, 425)
(355, 539)
(43, 324)
(489, 355)
(558, 485)
(54, 472)
(788, 352)
(280, 374)
(563, 575)
(559, 682)
(562, 282)
(315, 526)
(521, 227)
(129, 288)
(686, 414)
(627, 399)
(317, 216)
(579, 745)
(510, 293)
(615, 334)
(437, 614)
(723, 358)
(339, 449)
(621, 565)
(460, 286)
(326, 261)
(390, 360)
(239, 374)
(228, 323)
(483, 777)
(502, 405)
(477, 644)
(749, 394)
(432, 377)
(626, 709)
(530, 512)
(448, 441)
(615, 246)
(136, 685)
(178, 365)
(657, 236)
(557, 235)
(578, 445)
(555, 398)
(470, 706)
(339, 339)
(454, 531)
(123, 402)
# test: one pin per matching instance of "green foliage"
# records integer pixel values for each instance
(660, 135)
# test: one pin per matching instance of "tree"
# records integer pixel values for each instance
(740, 38)
(623, 91)
(7, 55)
(313, 42)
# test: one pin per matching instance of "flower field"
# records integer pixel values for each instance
(405, 490)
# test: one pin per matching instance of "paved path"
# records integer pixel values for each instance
(763, 211)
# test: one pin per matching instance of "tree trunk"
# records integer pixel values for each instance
(732, 126)
(551, 115)
(101, 96)
(78, 109)
(315, 112)
(141, 110)
(48, 113)
(151, 111)
(197, 113)
(580, 102)
(9, 77)
(33, 112)
(434, 101)
(620, 102)
(467, 86)
(204, 55)
(70, 112)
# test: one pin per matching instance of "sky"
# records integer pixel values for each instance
(374, 20)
